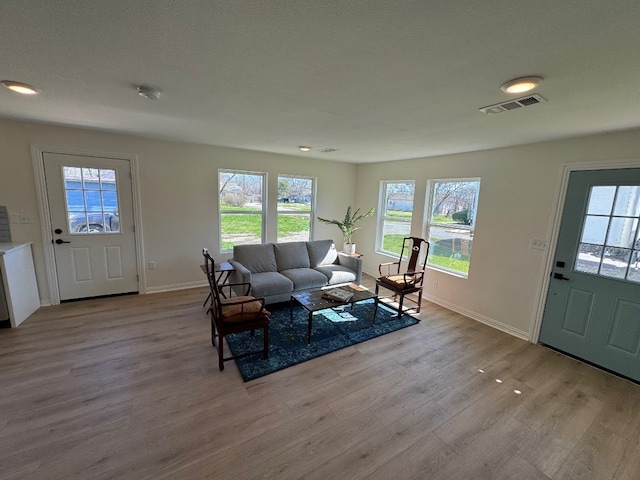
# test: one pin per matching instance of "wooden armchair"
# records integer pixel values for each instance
(411, 281)
(234, 314)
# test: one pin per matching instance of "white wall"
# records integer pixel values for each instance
(519, 191)
(178, 185)
(520, 188)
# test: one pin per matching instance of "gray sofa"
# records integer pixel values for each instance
(275, 270)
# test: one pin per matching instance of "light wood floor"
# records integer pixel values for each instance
(129, 388)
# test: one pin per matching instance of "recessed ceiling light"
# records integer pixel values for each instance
(20, 87)
(519, 85)
(149, 92)
(304, 148)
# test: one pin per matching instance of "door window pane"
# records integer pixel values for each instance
(627, 202)
(615, 262)
(595, 229)
(92, 200)
(589, 258)
(622, 232)
(601, 200)
(613, 214)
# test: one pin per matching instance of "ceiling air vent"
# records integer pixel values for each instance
(328, 150)
(513, 104)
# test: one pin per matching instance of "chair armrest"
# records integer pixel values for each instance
(239, 288)
(352, 263)
(387, 266)
(414, 278)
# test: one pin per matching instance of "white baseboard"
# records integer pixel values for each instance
(479, 317)
(177, 286)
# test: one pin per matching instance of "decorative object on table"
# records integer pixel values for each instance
(333, 329)
(338, 294)
(348, 226)
(402, 284)
(229, 315)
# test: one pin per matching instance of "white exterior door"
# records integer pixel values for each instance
(91, 209)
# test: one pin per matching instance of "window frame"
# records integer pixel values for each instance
(262, 213)
(429, 223)
(312, 204)
(383, 217)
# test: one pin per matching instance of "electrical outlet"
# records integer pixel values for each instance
(152, 265)
(538, 244)
(26, 218)
(435, 284)
(14, 218)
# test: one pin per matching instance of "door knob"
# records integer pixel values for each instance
(559, 276)
(59, 241)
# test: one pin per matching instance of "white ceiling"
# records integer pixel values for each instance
(375, 79)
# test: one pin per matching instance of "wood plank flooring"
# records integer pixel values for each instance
(128, 388)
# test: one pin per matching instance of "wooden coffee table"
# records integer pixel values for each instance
(313, 301)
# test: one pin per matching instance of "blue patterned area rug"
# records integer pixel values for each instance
(333, 329)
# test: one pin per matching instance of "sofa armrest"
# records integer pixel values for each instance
(352, 263)
(241, 274)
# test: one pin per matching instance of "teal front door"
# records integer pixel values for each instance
(593, 304)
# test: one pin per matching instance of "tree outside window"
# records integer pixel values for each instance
(242, 209)
(295, 208)
(451, 224)
(397, 211)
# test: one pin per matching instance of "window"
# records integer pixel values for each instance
(295, 208)
(451, 223)
(397, 209)
(610, 241)
(242, 211)
(92, 200)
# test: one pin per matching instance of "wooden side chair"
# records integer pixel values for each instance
(411, 281)
(234, 314)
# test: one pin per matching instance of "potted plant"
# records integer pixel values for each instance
(348, 226)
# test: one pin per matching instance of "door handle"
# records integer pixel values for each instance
(59, 241)
(559, 276)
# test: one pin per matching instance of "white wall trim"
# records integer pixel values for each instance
(37, 152)
(479, 317)
(177, 286)
(555, 230)
(475, 316)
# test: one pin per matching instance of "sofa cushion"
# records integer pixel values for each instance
(337, 274)
(256, 258)
(291, 255)
(265, 284)
(304, 278)
(321, 252)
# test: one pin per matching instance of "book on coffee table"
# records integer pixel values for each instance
(338, 295)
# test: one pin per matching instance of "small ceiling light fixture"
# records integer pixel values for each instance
(519, 85)
(304, 148)
(148, 92)
(20, 87)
